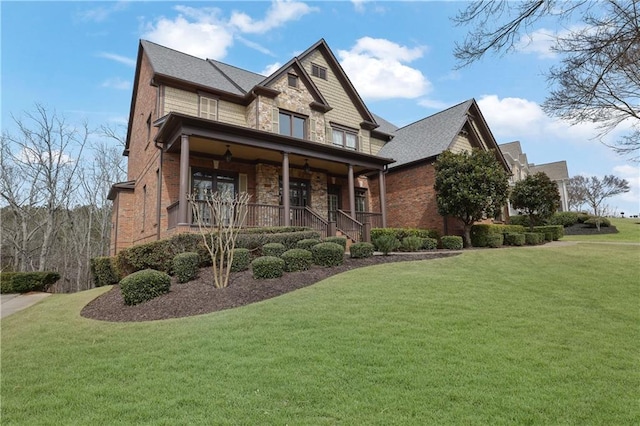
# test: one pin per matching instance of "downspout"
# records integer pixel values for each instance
(159, 192)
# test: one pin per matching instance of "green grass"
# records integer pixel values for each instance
(628, 232)
(542, 335)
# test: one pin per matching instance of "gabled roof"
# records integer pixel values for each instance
(556, 171)
(428, 137)
(385, 126)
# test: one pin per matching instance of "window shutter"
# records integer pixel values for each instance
(242, 182)
(358, 142)
(275, 120)
(329, 135)
(213, 109)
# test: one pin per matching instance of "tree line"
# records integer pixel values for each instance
(54, 182)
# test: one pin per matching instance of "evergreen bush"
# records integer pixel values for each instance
(24, 282)
(361, 250)
(266, 267)
(241, 260)
(144, 285)
(328, 254)
(297, 260)
(185, 266)
(495, 240)
(514, 239)
(533, 238)
(273, 249)
(429, 243)
(412, 244)
(386, 243)
(103, 271)
(451, 242)
(308, 243)
(338, 240)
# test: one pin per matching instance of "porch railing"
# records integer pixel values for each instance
(375, 219)
(349, 226)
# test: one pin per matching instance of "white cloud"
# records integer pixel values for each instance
(270, 69)
(118, 58)
(632, 175)
(30, 156)
(255, 46)
(376, 68)
(198, 32)
(358, 5)
(102, 13)
(433, 104)
(541, 41)
(116, 83)
(279, 13)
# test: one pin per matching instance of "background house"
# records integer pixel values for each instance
(409, 181)
(521, 168)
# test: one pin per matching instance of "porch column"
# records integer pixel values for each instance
(183, 208)
(352, 193)
(382, 187)
(285, 189)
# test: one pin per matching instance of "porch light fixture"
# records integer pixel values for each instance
(227, 155)
(306, 168)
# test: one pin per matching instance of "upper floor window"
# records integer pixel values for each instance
(292, 80)
(318, 71)
(344, 138)
(291, 124)
(208, 108)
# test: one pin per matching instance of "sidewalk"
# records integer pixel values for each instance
(12, 303)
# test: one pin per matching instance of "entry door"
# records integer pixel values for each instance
(333, 202)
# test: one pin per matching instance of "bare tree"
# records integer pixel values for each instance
(219, 216)
(39, 173)
(598, 79)
(593, 190)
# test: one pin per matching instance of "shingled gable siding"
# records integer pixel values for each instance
(177, 100)
(343, 112)
(231, 113)
(461, 144)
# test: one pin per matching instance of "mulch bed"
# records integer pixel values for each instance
(581, 229)
(200, 297)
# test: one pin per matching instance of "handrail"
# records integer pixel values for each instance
(317, 222)
(349, 226)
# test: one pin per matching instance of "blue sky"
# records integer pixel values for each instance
(79, 58)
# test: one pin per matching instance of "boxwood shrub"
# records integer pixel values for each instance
(386, 243)
(266, 267)
(185, 266)
(411, 244)
(328, 254)
(514, 239)
(533, 238)
(103, 271)
(402, 233)
(480, 233)
(241, 260)
(297, 260)
(451, 242)
(557, 231)
(338, 240)
(144, 285)
(564, 218)
(592, 222)
(361, 250)
(273, 249)
(307, 243)
(495, 240)
(24, 282)
(429, 243)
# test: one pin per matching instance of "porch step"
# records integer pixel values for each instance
(349, 240)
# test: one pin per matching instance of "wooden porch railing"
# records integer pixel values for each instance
(375, 219)
(349, 226)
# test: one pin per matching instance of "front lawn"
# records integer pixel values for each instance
(628, 232)
(536, 335)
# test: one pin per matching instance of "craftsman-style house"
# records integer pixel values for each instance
(198, 125)
(201, 125)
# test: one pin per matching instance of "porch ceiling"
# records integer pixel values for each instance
(248, 145)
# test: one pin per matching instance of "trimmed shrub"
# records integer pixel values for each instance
(241, 260)
(519, 219)
(361, 250)
(411, 244)
(402, 233)
(103, 271)
(24, 282)
(273, 249)
(185, 266)
(592, 222)
(451, 242)
(514, 239)
(564, 218)
(338, 240)
(266, 267)
(253, 241)
(583, 217)
(557, 231)
(495, 240)
(308, 243)
(480, 233)
(386, 243)
(533, 238)
(429, 243)
(297, 260)
(328, 254)
(5, 282)
(144, 285)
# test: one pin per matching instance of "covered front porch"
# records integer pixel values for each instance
(327, 187)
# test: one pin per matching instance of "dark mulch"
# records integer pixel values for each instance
(581, 229)
(200, 297)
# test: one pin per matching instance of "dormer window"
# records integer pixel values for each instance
(291, 124)
(208, 108)
(318, 71)
(293, 80)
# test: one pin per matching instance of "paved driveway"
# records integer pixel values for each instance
(12, 303)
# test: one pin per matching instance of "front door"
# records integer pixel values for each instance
(333, 202)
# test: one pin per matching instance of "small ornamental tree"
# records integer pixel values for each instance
(220, 216)
(537, 196)
(470, 187)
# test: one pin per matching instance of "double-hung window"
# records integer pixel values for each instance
(344, 138)
(292, 124)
